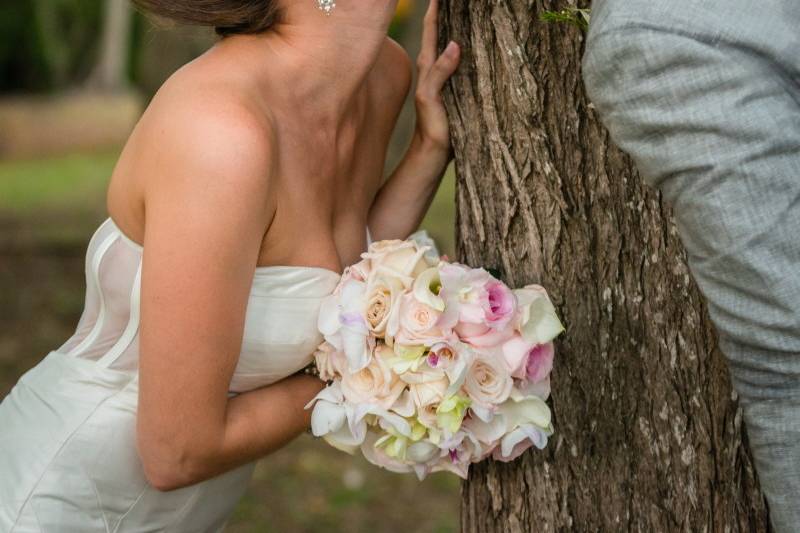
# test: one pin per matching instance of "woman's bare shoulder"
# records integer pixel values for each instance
(199, 134)
(194, 116)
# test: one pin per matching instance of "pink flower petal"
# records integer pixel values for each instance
(540, 362)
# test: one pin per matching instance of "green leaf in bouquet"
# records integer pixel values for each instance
(407, 358)
(393, 444)
(451, 412)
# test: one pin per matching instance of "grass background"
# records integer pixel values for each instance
(49, 208)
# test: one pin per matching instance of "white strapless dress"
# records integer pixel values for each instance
(68, 459)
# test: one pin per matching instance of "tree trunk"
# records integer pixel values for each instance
(649, 436)
(109, 73)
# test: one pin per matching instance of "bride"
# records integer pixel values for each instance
(252, 178)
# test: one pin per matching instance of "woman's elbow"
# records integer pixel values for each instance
(165, 479)
(168, 467)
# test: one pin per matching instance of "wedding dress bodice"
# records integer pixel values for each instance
(280, 332)
(68, 456)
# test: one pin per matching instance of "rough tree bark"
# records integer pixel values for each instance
(648, 433)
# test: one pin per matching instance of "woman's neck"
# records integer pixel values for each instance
(323, 59)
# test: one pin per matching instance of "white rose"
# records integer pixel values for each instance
(427, 389)
(358, 272)
(424, 240)
(426, 393)
(403, 260)
(538, 322)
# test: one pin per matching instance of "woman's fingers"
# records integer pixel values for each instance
(433, 72)
(431, 84)
(430, 37)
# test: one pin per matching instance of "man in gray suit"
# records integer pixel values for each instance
(705, 96)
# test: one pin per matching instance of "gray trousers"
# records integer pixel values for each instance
(705, 96)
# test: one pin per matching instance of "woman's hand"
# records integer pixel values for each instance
(432, 129)
(405, 197)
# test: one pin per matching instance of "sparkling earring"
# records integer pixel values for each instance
(326, 6)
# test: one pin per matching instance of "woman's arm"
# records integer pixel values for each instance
(208, 201)
(403, 200)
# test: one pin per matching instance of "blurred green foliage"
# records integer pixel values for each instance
(76, 183)
(66, 182)
(47, 44)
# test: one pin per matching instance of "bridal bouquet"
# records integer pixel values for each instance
(432, 365)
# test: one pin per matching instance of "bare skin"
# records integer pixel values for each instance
(267, 150)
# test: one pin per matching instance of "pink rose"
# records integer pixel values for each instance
(540, 362)
(525, 360)
(468, 330)
(482, 336)
(501, 304)
(464, 293)
(475, 301)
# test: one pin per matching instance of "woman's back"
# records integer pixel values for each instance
(324, 170)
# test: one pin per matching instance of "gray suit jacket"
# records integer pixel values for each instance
(705, 96)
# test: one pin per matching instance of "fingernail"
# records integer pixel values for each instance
(451, 48)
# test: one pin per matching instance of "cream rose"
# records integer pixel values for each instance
(430, 392)
(330, 361)
(427, 415)
(426, 389)
(374, 383)
(417, 322)
(382, 296)
(403, 260)
(454, 359)
(488, 381)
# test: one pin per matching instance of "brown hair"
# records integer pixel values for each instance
(228, 17)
